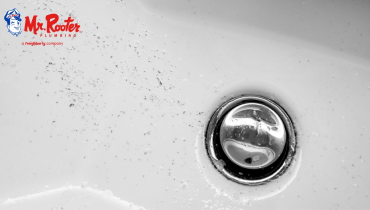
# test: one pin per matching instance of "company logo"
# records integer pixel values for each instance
(52, 29)
(13, 21)
(51, 25)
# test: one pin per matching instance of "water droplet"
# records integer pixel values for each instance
(184, 184)
(256, 158)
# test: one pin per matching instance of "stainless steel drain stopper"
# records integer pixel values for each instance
(250, 140)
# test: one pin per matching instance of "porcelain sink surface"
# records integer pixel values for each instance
(115, 118)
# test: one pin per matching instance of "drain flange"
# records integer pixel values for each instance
(250, 140)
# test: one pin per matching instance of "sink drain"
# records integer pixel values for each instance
(250, 140)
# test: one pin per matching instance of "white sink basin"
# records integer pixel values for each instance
(115, 118)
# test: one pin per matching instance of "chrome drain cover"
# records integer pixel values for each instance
(250, 140)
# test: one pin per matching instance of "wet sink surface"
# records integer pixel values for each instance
(122, 108)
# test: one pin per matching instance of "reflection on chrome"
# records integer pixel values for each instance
(235, 192)
(250, 140)
(247, 155)
(253, 136)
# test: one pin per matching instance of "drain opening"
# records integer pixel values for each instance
(253, 137)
